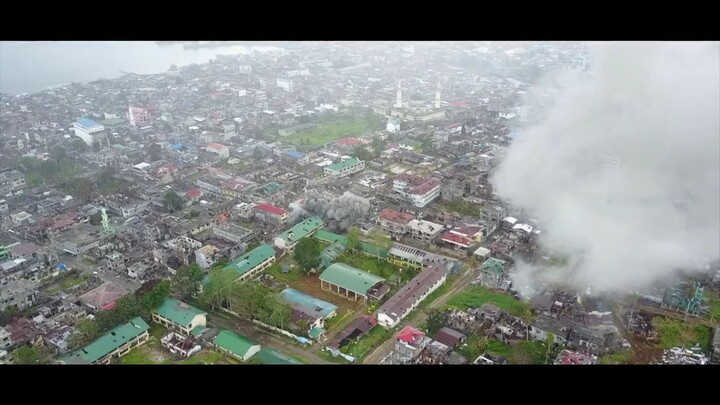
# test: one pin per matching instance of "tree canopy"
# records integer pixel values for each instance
(307, 253)
(29, 355)
(435, 321)
(186, 282)
(172, 201)
(353, 236)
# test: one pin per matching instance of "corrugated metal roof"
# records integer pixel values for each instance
(108, 343)
(178, 311)
(350, 278)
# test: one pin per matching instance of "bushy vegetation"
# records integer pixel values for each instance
(476, 296)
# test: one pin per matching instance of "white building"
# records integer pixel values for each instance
(344, 168)
(205, 256)
(425, 231)
(410, 296)
(85, 129)
(285, 84)
(393, 126)
(417, 190)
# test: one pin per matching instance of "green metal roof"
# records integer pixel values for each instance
(234, 342)
(251, 259)
(198, 330)
(272, 188)
(178, 311)
(270, 356)
(301, 229)
(350, 278)
(328, 236)
(493, 265)
(328, 256)
(108, 342)
(373, 250)
(345, 163)
(316, 332)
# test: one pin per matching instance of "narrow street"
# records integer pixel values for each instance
(386, 347)
(104, 275)
(265, 338)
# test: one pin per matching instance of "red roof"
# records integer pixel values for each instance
(409, 335)
(194, 193)
(270, 208)
(216, 146)
(348, 141)
(395, 216)
(456, 239)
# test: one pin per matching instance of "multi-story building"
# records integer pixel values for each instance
(345, 168)
(424, 231)
(5, 341)
(250, 265)
(179, 316)
(206, 256)
(299, 157)
(11, 181)
(114, 344)
(20, 293)
(286, 84)
(87, 130)
(270, 213)
(417, 190)
(409, 343)
(233, 233)
(394, 222)
(138, 117)
(288, 239)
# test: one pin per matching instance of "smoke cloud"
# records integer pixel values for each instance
(339, 213)
(624, 171)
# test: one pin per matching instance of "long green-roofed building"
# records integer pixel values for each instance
(178, 315)
(236, 345)
(344, 168)
(252, 263)
(288, 239)
(352, 283)
(115, 343)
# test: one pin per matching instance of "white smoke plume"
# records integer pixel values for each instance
(340, 213)
(624, 170)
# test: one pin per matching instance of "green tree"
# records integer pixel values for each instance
(379, 238)
(58, 153)
(436, 320)
(29, 355)
(96, 219)
(219, 287)
(9, 314)
(194, 214)
(378, 145)
(427, 146)
(257, 154)
(550, 343)
(29, 163)
(361, 153)
(307, 253)
(353, 238)
(126, 308)
(86, 330)
(49, 169)
(186, 282)
(153, 298)
(84, 188)
(79, 144)
(172, 201)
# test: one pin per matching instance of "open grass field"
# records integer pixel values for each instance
(332, 130)
(675, 333)
(366, 343)
(476, 296)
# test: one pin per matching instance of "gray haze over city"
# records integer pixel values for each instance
(478, 202)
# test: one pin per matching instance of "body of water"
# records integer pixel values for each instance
(27, 67)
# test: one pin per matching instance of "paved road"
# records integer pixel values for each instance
(384, 349)
(265, 338)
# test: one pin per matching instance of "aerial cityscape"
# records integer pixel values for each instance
(449, 203)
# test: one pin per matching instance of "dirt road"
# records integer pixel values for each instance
(386, 347)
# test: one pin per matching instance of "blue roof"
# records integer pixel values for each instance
(295, 154)
(177, 146)
(311, 304)
(87, 123)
